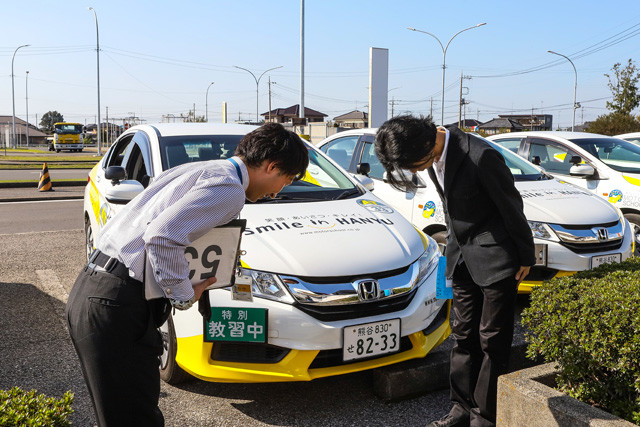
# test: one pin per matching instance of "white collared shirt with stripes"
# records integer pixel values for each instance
(179, 206)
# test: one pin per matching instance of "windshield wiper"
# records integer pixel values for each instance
(347, 193)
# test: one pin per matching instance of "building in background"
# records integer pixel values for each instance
(355, 119)
(292, 115)
(6, 127)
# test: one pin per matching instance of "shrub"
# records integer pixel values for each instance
(26, 408)
(589, 324)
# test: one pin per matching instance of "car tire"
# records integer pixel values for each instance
(57, 151)
(88, 237)
(441, 239)
(634, 220)
(170, 372)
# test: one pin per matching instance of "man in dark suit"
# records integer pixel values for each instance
(489, 250)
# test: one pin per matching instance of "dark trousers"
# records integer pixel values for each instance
(483, 332)
(113, 330)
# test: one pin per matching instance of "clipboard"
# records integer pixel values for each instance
(213, 255)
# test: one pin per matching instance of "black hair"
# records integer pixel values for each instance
(274, 143)
(404, 142)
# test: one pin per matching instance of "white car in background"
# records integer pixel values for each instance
(341, 282)
(608, 167)
(573, 229)
(633, 137)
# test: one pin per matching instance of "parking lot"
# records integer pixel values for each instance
(37, 273)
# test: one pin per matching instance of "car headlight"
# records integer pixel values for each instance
(541, 230)
(267, 285)
(427, 262)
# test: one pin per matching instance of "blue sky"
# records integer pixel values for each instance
(158, 58)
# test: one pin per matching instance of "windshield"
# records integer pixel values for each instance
(521, 169)
(618, 154)
(323, 181)
(67, 128)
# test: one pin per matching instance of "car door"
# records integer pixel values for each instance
(555, 159)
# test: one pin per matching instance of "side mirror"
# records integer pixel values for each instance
(363, 169)
(115, 174)
(124, 192)
(536, 160)
(365, 181)
(583, 170)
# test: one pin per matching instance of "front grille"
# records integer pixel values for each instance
(329, 358)
(329, 313)
(587, 248)
(538, 274)
(247, 352)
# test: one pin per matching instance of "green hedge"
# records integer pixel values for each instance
(26, 408)
(589, 324)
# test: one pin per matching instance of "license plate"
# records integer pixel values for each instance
(237, 324)
(605, 259)
(371, 339)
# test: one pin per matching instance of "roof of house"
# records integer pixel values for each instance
(294, 111)
(352, 115)
(466, 123)
(21, 126)
(500, 123)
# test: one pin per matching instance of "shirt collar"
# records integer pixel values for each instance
(443, 157)
(244, 171)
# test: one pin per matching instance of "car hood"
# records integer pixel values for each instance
(558, 202)
(329, 238)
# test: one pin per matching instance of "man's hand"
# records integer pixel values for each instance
(199, 288)
(522, 273)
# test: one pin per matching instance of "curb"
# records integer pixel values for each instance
(420, 376)
(34, 184)
(38, 199)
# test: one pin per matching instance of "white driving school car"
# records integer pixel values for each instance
(340, 281)
(573, 229)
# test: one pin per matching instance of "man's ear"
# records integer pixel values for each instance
(272, 167)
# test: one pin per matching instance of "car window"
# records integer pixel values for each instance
(519, 167)
(341, 150)
(618, 154)
(115, 156)
(633, 139)
(369, 156)
(136, 167)
(176, 150)
(511, 144)
(553, 158)
(323, 180)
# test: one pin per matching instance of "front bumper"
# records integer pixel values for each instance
(300, 347)
(562, 261)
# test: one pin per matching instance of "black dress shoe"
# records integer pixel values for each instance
(451, 420)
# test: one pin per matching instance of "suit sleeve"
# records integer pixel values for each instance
(497, 180)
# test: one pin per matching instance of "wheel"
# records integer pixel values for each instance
(634, 220)
(88, 237)
(170, 372)
(441, 239)
(57, 151)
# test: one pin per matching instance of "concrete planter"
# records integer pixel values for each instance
(526, 398)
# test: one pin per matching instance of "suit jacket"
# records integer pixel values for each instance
(486, 226)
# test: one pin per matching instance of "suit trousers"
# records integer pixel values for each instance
(483, 332)
(114, 331)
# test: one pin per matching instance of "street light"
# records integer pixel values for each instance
(26, 97)
(575, 87)
(257, 83)
(98, 71)
(444, 54)
(206, 102)
(13, 100)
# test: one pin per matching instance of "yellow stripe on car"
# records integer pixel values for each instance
(526, 286)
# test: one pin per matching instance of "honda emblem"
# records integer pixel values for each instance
(368, 289)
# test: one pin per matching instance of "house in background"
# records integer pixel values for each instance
(291, 115)
(501, 125)
(467, 124)
(531, 121)
(6, 128)
(355, 119)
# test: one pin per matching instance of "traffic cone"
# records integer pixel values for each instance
(45, 181)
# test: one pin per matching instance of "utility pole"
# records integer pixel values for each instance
(26, 91)
(431, 111)
(269, 113)
(459, 103)
(393, 102)
(108, 130)
(463, 102)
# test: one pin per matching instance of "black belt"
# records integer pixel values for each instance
(103, 262)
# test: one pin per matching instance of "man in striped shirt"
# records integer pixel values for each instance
(112, 326)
